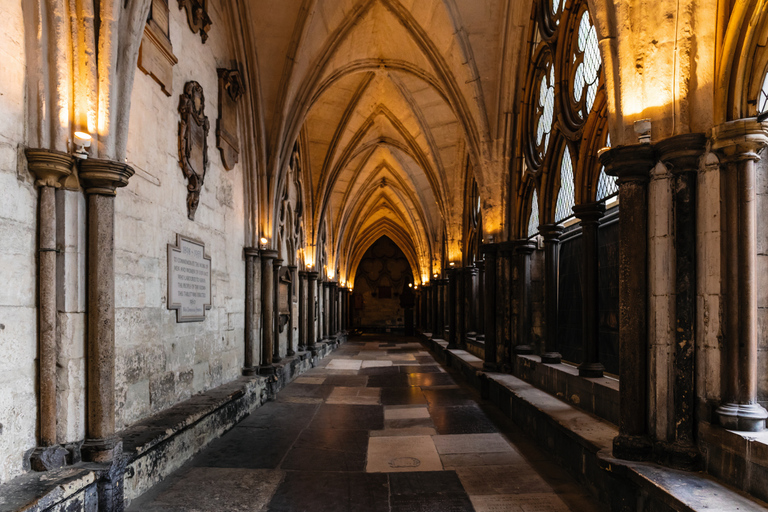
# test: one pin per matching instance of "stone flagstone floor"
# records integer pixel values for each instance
(378, 426)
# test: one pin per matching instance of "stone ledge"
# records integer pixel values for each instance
(583, 442)
(70, 488)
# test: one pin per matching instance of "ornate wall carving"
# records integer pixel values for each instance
(193, 142)
(197, 16)
(230, 90)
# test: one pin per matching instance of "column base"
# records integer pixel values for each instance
(743, 417)
(632, 447)
(551, 358)
(48, 458)
(291, 353)
(523, 350)
(678, 455)
(276, 359)
(591, 370)
(250, 372)
(267, 369)
(101, 450)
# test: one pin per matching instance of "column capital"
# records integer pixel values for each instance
(103, 177)
(551, 232)
(312, 275)
(525, 246)
(629, 163)
(739, 140)
(589, 212)
(681, 153)
(251, 251)
(268, 254)
(470, 271)
(50, 168)
(292, 267)
(277, 262)
(489, 249)
(303, 274)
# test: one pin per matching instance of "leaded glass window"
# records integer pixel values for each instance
(533, 220)
(762, 100)
(565, 198)
(546, 110)
(588, 71)
(606, 185)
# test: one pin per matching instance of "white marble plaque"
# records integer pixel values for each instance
(189, 279)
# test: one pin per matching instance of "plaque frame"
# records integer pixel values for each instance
(193, 119)
(231, 89)
(176, 305)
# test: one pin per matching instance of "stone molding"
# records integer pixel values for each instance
(681, 153)
(739, 140)
(629, 163)
(49, 167)
(104, 177)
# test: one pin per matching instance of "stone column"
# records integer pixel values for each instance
(251, 260)
(311, 290)
(551, 234)
(429, 309)
(489, 251)
(49, 168)
(525, 248)
(469, 303)
(267, 311)
(504, 289)
(334, 308)
(479, 311)
(453, 275)
(325, 310)
(737, 143)
(590, 215)
(291, 320)
(461, 308)
(632, 165)
(277, 264)
(439, 299)
(680, 155)
(100, 179)
(303, 311)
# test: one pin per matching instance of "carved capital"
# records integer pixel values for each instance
(551, 232)
(590, 212)
(681, 153)
(629, 163)
(104, 176)
(525, 247)
(312, 276)
(739, 140)
(50, 168)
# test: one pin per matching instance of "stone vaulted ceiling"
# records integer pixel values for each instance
(396, 104)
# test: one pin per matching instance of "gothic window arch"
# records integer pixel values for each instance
(564, 110)
(607, 186)
(762, 100)
(533, 219)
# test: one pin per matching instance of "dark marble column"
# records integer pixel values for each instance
(311, 315)
(277, 264)
(50, 169)
(267, 311)
(504, 290)
(334, 291)
(469, 315)
(251, 281)
(551, 234)
(524, 249)
(590, 215)
(291, 320)
(461, 308)
(479, 310)
(489, 251)
(100, 179)
(737, 143)
(303, 288)
(681, 156)
(453, 289)
(632, 164)
(439, 307)
(432, 308)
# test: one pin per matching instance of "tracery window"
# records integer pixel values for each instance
(762, 100)
(607, 186)
(533, 220)
(563, 111)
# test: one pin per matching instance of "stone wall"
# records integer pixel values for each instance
(159, 361)
(18, 214)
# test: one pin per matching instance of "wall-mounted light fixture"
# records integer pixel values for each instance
(435, 276)
(81, 141)
(263, 243)
(410, 285)
(643, 131)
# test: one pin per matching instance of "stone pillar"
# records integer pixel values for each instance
(267, 311)
(303, 311)
(430, 309)
(590, 215)
(453, 275)
(49, 168)
(334, 291)
(632, 165)
(479, 311)
(489, 251)
(100, 179)
(325, 310)
(439, 299)
(311, 290)
(461, 308)
(737, 143)
(524, 249)
(291, 320)
(680, 155)
(251, 260)
(277, 264)
(469, 303)
(551, 234)
(504, 289)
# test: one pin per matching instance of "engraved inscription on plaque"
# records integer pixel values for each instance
(189, 279)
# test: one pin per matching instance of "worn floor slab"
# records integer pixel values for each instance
(380, 426)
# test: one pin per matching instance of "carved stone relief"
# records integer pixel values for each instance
(156, 56)
(230, 90)
(197, 16)
(193, 143)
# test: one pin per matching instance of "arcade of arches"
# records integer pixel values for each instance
(202, 199)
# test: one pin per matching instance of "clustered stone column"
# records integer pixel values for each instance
(267, 311)
(439, 308)
(632, 165)
(49, 168)
(489, 251)
(312, 290)
(251, 261)
(590, 215)
(737, 143)
(551, 234)
(452, 296)
(291, 320)
(303, 311)
(461, 309)
(277, 265)
(524, 249)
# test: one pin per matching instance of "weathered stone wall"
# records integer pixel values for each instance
(159, 361)
(18, 214)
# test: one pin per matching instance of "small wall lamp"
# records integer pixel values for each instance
(643, 131)
(263, 243)
(81, 141)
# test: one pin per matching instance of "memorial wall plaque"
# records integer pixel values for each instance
(189, 279)
(230, 90)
